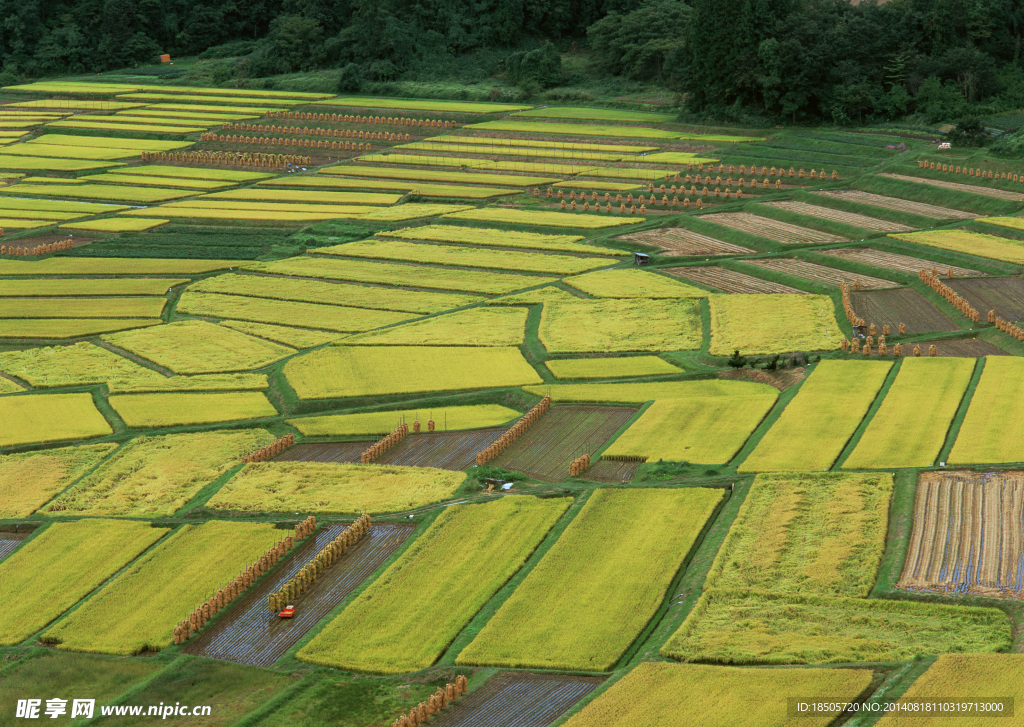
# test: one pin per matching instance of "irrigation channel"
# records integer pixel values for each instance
(249, 634)
(518, 699)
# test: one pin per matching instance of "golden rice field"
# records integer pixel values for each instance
(305, 195)
(200, 173)
(963, 677)
(64, 287)
(757, 627)
(499, 238)
(659, 694)
(453, 569)
(797, 323)
(633, 283)
(992, 430)
(638, 393)
(969, 243)
(470, 327)
(616, 558)
(308, 315)
(120, 307)
(74, 365)
(198, 347)
(202, 382)
(115, 224)
(437, 175)
(345, 371)
(423, 189)
(39, 581)
(512, 151)
(412, 211)
(122, 177)
(287, 335)
(346, 294)
(510, 216)
(140, 608)
(419, 276)
(334, 488)
(910, 427)
(635, 324)
(544, 294)
(582, 112)
(541, 127)
(29, 479)
(36, 418)
(610, 367)
(538, 143)
(467, 107)
(820, 533)
(174, 409)
(206, 212)
(702, 430)
(113, 266)
(815, 426)
(155, 476)
(45, 164)
(61, 328)
(10, 387)
(466, 256)
(446, 418)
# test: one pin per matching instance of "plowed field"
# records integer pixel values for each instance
(821, 273)
(968, 534)
(771, 229)
(680, 241)
(518, 699)
(250, 634)
(1003, 295)
(447, 450)
(900, 305)
(729, 281)
(962, 347)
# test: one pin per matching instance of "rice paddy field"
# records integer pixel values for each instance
(205, 339)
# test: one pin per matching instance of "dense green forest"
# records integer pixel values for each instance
(737, 60)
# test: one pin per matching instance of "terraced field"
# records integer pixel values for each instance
(900, 305)
(847, 218)
(900, 263)
(730, 281)
(959, 187)
(821, 273)
(684, 242)
(771, 229)
(898, 205)
(1003, 295)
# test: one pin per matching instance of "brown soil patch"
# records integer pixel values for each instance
(249, 634)
(781, 379)
(77, 240)
(900, 305)
(518, 699)
(901, 263)
(446, 450)
(324, 452)
(898, 205)
(849, 218)
(611, 471)
(821, 273)
(729, 281)
(682, 242)
(9, 542)
(969, 347)
(1003, 295)
(771, 229)
(973, 188)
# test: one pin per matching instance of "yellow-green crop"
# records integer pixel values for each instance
(773, 324)
(992, 431)
(176, 408)
(634, 324)
(450, 418)
(511, 216)
(60, 328)
(334, 488)
(499, 238)
(453, 569)
(815, 426)
(616, 559)
(34, 418)
(471, 327)
(29, 479)
(971, 243)
(42, 579)
(640, 392)
(610, 367)
(632, 283)
(140, 608)
(121, 307)
(74, 365)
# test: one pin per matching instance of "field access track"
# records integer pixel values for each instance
(729, 281)
(683, 242)
(968, 534)
(518, 699)
(900, 305)
(446, 450)
(1003, 295)
(547, 448)
(249, 634)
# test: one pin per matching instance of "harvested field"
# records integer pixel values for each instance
(518, 699)
(1003, 295)
(729, 281)
(325, 452)
(968, 534)
(771, 229)
(898, 205)
(250, 634)
(975, 189)
(680, 241)
(10, 541)
(821, 273)
(847, 218)
(900, 263)
(446, 450)
(560, 436)
(610, 471)
(963, 347)
(900, 305)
